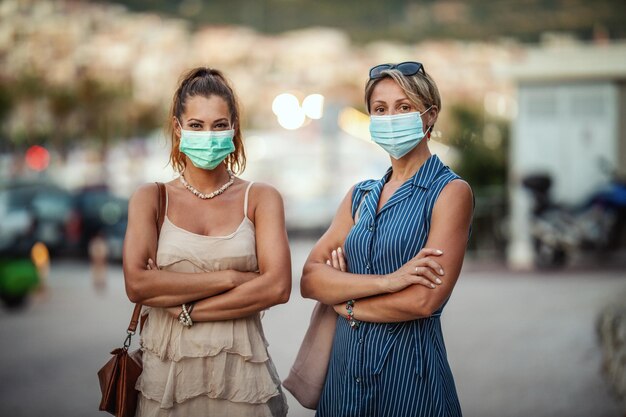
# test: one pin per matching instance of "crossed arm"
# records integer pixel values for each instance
(412, 291)
(219, 295)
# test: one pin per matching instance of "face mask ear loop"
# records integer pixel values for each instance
(180, 137)
(428, 131)
(426, 111)
(180, 134)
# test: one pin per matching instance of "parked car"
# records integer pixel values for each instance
(29, 213)
(97, 212)
(114, 238)
(33, 212)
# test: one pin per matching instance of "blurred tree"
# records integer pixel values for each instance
(6, 101)
(27, 92)
(482, 144)
(27, 85)
(98, 108)
(145, 118)
(407, 20)
(6, 104)
(63, 103)
(60, 115)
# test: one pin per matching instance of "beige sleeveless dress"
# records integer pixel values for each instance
(219, 368)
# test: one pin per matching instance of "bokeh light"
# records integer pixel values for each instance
(313, 106)
(355, 123)
(39, 254)
(37, 158)
(292, 119)
(284, 103)
(287, 109)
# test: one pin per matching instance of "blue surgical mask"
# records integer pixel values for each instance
(398, 134)
(206, 148)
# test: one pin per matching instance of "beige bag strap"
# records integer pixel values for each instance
(132, 327)
(308, 373)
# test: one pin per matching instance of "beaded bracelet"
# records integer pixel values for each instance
(188, 313)
(354, 323)
(187, 316)
(184, 317)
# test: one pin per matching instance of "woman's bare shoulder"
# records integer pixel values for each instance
(144, 196)
(262, 192)
(456, 195)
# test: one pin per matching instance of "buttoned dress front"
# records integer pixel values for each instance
(391, 369)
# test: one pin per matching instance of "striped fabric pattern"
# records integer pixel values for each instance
(391, 369)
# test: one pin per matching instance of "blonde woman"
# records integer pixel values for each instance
(390, 260)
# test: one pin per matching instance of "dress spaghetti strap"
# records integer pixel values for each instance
(245, 200)
(167, 199)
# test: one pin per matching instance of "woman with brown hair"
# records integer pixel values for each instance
(390, 260)
(222, 257)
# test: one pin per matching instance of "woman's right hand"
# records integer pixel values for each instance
(421, 270)
(338, 260)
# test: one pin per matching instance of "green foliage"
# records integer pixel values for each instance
(406, 20)
(88, 109)
(62, 102)
(482, 144)
(6, 101)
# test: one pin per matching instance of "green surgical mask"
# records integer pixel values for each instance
(207, 148)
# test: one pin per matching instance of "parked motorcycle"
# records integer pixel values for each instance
(558, 230)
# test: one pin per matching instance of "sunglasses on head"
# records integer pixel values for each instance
(406, 68)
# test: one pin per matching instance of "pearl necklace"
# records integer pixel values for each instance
(210, 195)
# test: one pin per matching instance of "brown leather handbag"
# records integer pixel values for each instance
(119, 375)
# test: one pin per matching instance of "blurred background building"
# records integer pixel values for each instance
(85, 87)
(569, 129)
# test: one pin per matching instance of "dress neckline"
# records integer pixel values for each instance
(245, 220)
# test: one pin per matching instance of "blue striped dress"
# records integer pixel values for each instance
(391, 369)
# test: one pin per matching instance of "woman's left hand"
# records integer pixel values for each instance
(337, 260)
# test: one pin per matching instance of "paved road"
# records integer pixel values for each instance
(519, 344)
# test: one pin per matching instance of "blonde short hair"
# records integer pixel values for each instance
(419, 88)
